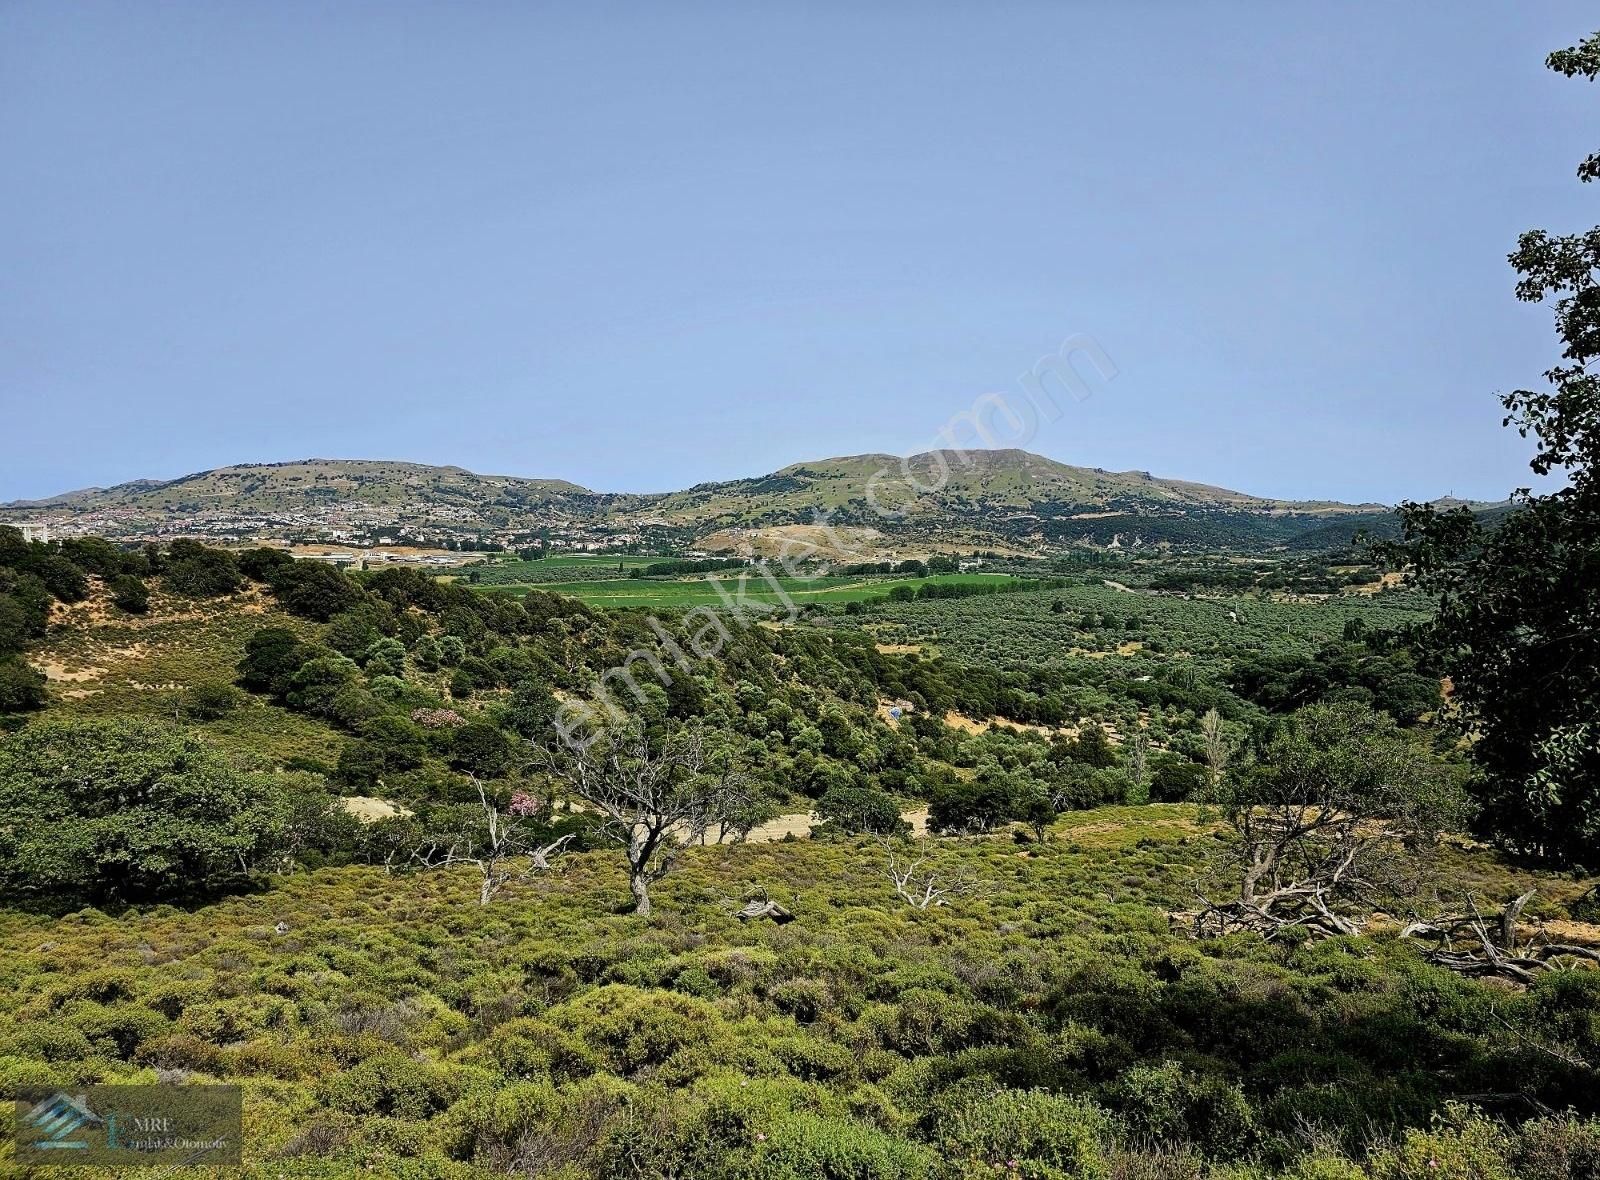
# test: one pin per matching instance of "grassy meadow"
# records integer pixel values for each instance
(746, 585)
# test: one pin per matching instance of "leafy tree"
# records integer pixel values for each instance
(1038, 811)
(366, 762)
(20, 622)
(992, 798)
(1092, 747)
(426, 652)
(1079, 787)
(315, 685)
(313, 590)
(21, 688)
(261, 563)
(271, 657)
(857, 810)
(1174, 780)
(197, 571)
(129, 593)
(355, 630)
(385, 657)
(1518, 625)
(481, 749)
(388, 745)
(63, 579)
(1328, 819)
(533, 710)
(96, 555)
(129, 810)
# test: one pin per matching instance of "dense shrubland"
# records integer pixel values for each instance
(1047, 1024)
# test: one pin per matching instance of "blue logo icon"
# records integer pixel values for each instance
(56, 1118)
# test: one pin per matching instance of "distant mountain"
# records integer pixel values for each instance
(270, 487)
(940, 483)
(1002, 495)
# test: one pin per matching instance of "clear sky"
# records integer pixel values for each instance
(643, 245)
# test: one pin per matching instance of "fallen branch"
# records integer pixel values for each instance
(1493, 949)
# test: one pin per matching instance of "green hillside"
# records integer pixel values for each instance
(1001, 497)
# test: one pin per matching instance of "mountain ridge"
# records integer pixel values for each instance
(869, 462)
(1006, 495)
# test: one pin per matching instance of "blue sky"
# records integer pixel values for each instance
(639, 246)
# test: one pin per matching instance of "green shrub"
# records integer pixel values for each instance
(1047, 1135)
(813, 1059)
(1165, 1103)
(632, 1030)
(1558, 1148)
(1461, 1145)
(180, 1051)
(211, 700)
(814, 1147)
(391, 1085)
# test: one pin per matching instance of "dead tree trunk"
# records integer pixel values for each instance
(1492, 948)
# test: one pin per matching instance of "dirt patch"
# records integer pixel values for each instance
(800, 541)
(965, 724)
(1565, 930)
(369, 810)
(1385, 582)
(61, 672)
(798, 824)
(972, 725)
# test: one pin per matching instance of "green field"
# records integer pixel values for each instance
(565, 567)
(700, 590)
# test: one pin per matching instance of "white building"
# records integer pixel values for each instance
(35, 532)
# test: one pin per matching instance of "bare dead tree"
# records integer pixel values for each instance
(1300, 864)
(1483, 947)
(917, 878)
(1138, 759)
(1217, 752)
(495, 844)
(1334, 820)
(657, 796)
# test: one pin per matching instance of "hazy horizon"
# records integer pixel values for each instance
(707, 243)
